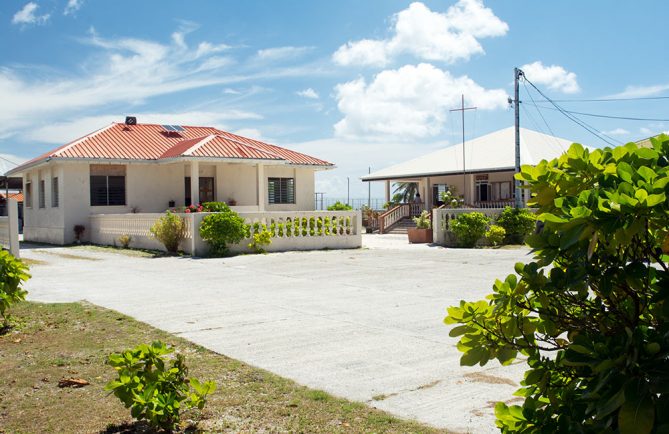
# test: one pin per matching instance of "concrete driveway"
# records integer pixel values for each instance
(362, 324)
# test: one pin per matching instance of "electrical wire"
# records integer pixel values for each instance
(574, 119)
(639, 98)
(624, 118)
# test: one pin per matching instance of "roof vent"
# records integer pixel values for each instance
(130, 120)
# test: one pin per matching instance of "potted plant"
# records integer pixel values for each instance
(422, 233)
(79, 232)
(232, 202)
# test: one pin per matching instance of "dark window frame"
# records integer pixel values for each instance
(55, 192)
(41, 194)
(280, 191)
(111, 192)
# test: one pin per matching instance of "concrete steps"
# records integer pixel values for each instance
(401, 226)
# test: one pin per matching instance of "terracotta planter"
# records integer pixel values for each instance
(418, 236)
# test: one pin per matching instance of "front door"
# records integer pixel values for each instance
(206, 190)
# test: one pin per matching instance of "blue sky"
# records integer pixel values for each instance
(357, 83)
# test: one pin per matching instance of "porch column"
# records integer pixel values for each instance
(194, 182)
(428, 194)
(260, 171)
(387, 190)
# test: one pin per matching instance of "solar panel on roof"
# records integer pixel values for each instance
(168, 128)
(177, 127)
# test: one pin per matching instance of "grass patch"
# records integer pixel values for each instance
(66, 255)
(51, 342)
(30, 262)
(135, 253)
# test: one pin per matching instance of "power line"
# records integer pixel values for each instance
(625, 118)
(539, 111)
(9, 161)
(576, 120)
(639, 98)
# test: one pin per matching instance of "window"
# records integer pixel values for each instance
(54, 192)
(29, 194)
(206, 190)
(107, 185)
(40, 194)
(281, 190)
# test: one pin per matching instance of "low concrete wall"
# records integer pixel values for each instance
(344, 230)
(9, 228)
(442, 216)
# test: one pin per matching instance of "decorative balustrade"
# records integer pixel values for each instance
(4, 232)
(300, 230)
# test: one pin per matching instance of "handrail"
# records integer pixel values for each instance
(393, 215)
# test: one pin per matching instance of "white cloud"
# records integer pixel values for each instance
(617, 132)
(308, 93)
(428, 35)
(123, 71)
(231, 91)
(64, 132)
(251, 133)
(645, 131)
(555, 77)
(72, 6)
(642, 91)
(10, 161)
(27, 15)
(281, 53)
(407, 103)
(207, 48)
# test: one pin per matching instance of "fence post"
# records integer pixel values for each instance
(13, 213)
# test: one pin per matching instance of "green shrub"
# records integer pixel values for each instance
(13, 273)
(170, 230)
(338, 206)
(260, 241)
(222, 229)
(589, 314)
(155, 388)
(125, 240)
(518, 224)
(469, 228)
(495, 235)
(215, 207)
(423, 220)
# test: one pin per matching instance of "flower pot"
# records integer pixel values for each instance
(418, 236)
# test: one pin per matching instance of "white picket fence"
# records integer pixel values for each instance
(9, 229)
(300, 230)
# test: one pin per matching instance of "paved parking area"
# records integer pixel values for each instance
(363, 324)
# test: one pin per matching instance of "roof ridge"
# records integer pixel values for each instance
(198, 144)
(81, 139)
(255, 146)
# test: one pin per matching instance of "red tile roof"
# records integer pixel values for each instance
(151, 142)
(17, 196)
(217, 146)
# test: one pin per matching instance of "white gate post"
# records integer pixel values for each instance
(13, 213)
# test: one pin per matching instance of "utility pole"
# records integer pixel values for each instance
(517, 73)
(464, 164)
(348, 190)
(369, 189)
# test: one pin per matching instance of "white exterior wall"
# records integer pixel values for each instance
(304, 188)
(149, 189)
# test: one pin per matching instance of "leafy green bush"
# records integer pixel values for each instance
(423, 220)
(590, 313)
(215, 207)
(222, 229)
(170, 230)
(518, 224)
(469, 228)
(338, 206)
(155, 388)
(260, 241)
(125, 240)
(495, 235)
(13, 273)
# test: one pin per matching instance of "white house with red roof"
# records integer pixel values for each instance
(131, 167)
